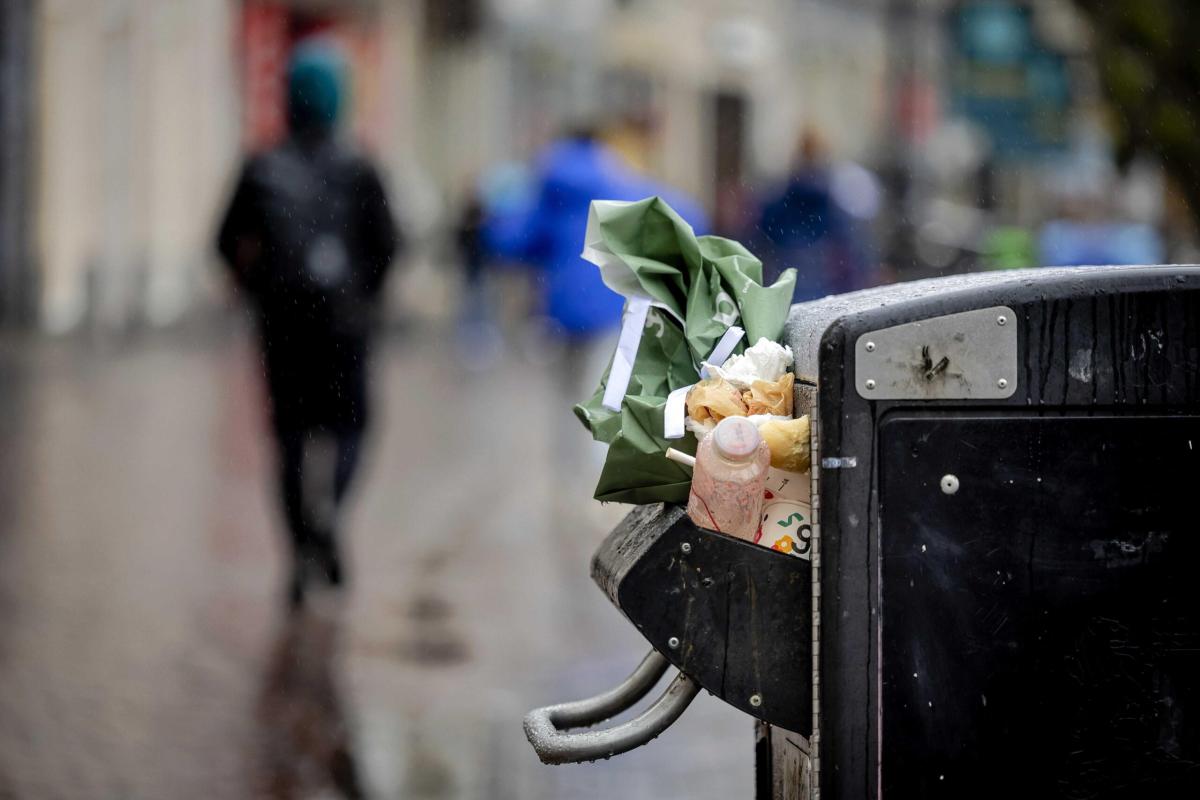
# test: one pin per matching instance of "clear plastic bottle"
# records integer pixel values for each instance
(729, 479)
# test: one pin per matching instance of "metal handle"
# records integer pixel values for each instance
(545, 727)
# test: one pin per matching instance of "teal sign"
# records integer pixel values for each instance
(1006, 81)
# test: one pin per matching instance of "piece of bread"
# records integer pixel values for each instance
(789, 442)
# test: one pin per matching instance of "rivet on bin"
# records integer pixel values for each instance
(756, 700)
(1001, 320)
(870, 383)
(673, 642)
(870, 347)
(949, 484)
(686, 548)
(1002, 383)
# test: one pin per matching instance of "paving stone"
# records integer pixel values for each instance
(144, 648)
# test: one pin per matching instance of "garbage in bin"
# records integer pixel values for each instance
(692, 303)
(684, 362)
(729, 480)
(699, 358)
(1002, 552)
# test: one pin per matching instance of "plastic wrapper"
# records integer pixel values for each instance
(713, 400)
(770, 397)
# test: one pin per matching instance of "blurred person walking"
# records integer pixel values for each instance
(579, 315)
(547, 233)
(818, 223)
(480, 341)
(309, 238)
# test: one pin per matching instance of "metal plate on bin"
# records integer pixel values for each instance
(967, 356)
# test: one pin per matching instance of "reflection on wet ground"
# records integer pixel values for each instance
(144, 648)
(304, 746)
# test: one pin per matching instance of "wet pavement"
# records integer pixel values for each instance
(144, 647)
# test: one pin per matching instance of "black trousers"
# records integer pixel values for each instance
(316, 470)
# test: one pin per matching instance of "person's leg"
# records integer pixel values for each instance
(344, 468)
(291, 484)
(348, 444)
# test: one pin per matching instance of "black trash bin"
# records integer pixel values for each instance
(1002, 598)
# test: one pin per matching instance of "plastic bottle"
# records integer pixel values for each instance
(729, 479)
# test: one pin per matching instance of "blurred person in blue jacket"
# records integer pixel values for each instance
(547, 233)
(580, 314)
(818, 223)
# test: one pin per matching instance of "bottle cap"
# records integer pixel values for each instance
(736, 438)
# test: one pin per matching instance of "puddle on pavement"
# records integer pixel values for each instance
(433, 648)
(427, 638)
(428, 608)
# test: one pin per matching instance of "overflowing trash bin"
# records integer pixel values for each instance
(993, 591)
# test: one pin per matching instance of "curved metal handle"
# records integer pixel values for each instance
(545, 727)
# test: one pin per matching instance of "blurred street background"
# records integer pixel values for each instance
(144, 648)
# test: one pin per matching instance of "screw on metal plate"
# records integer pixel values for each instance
(1002, 383)
(956, 356)
(949, 484)
(756, 700)
(673, 642)
(931, 369)
(686, 548)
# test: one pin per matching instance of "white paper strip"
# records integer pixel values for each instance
(724, 348)
(627, 347)
(675, 412)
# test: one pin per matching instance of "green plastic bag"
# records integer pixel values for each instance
(697, 288)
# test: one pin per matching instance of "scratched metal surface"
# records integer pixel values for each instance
(808, 322)
(1051, 597)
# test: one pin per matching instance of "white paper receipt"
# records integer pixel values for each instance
(787, 514)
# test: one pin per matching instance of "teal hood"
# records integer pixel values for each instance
(315, 86)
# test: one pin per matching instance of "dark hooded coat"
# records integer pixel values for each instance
(309, 237)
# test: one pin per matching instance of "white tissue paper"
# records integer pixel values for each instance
(765, 361)
(701, 428)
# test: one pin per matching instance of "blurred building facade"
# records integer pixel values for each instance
(137, 111)
(133, 139)
(124, 119)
